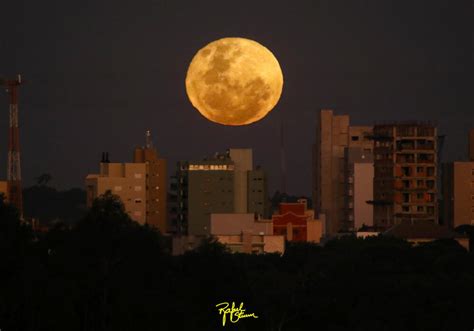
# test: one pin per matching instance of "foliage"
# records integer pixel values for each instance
(109, 273)
(47, 204)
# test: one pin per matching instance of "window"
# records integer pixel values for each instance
(355, 138)
(118, 188)
(138, 188)
(138, 175)
(137, 213)
(406, 208)
(419, 196)
(138, 200)
(419, 169)
(419, 208)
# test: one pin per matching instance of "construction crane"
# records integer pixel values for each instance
(14, 168)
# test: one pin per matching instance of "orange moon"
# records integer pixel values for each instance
(234, 81)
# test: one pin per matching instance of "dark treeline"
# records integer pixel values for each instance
(48, 205)
(109, 273)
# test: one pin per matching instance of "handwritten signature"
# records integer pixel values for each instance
(235, 314)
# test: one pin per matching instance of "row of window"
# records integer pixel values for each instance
(136, 188)
(210, 167)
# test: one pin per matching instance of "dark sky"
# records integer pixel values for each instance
(101, 72)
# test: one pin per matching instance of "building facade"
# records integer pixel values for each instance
(297, 223)
(471, 145)
(225, 183)
(458, 194)
(4, 189)
(333, 136)
(359, 165)
(405, 173)
(156, 186)
(126, 180)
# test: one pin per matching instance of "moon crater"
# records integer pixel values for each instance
(234, 81)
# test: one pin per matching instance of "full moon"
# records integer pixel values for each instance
(234, 81)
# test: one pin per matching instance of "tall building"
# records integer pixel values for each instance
(225, 183)
(405, 173)
(156, 189)
(126, 180)
(471, 145)
(458, 193)
(359, 167)
(333, 136)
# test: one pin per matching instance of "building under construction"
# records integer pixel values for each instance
(405, 173)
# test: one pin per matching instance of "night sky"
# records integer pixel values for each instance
(101, 72)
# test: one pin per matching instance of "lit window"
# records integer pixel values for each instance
(138, 188)
(138, 175)
(118, 188)
(157, 188)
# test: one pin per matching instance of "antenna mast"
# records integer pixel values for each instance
(14, 167)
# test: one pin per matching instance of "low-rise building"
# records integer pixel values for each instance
(418, 232)
(297, 223)
(240, 232)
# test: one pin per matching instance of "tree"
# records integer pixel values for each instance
(43, 179)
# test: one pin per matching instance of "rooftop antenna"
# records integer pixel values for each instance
(14, 167)
(149, 143)
(282, 155)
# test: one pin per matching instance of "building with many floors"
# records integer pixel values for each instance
(405, 173)
(126, 180)
(155, 183)
(458, 193)
(333, 135)
(224, 183)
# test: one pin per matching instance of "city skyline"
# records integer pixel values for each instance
(374, 62)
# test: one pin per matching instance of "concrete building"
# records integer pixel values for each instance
(297, 223)
(233, 224)
(333, 136)
(156, 186)
(471, 145)
(225, 183)
(4, 189)
(420, 232)
(405, 173)
(359, 169)
(458, 193)
(246, 233)
(126, 180)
